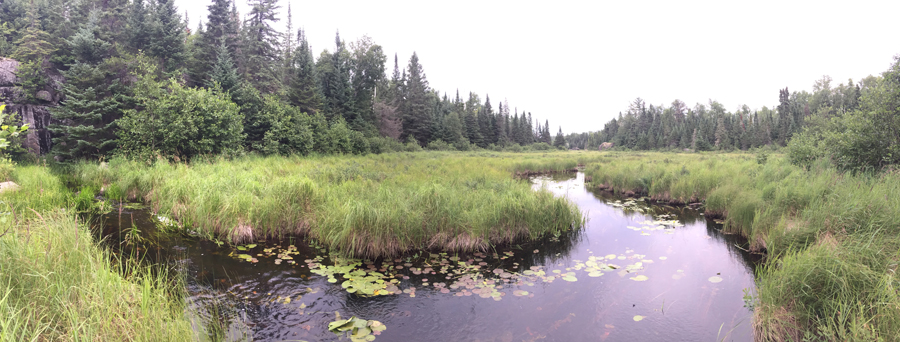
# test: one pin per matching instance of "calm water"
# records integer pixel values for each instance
(680, 274)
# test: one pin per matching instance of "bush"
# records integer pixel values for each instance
(439, 145)
(175, 122)
(541, 146)
(412, 145)
(803, 149)
(513, 148)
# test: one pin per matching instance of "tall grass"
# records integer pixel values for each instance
(370, 206)
(833, 239)
(58, 284)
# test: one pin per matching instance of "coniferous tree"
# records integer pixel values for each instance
(94, 99)
(333, 70)
(560, 140)
(224, 73)
(262, 40)
(303, 89)
(138, 29)
(416, 116)
(166, 44)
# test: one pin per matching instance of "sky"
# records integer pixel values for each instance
(579, 63)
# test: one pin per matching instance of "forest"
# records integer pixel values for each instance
(131, 78)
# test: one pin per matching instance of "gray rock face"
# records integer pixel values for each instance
(36, 116)
(8, 69)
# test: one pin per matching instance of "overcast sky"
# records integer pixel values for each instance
(579, 63)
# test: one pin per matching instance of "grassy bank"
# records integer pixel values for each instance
(57, 283)
(371, 206)
(833, 239)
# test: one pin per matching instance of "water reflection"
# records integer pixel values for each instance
(585, 284)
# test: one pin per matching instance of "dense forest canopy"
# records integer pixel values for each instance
(131, 77)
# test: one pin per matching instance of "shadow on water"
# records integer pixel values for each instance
(635, 272)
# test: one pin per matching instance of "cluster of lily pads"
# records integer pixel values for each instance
(664, 223)
(357, 329)
(632, 204)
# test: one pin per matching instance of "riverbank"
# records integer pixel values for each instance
(832, 239)
(58, 284)
(365, 206)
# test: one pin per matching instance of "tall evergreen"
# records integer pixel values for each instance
(262, 41)
(224, 73)
(166, 43)
(416, 114)
(333, 70)
(302, 88)
(94, 99)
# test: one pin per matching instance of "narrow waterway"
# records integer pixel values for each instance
(635, 272)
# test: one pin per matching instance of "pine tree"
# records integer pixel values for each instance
(560, 140)
(33, 51)
(138, 30)
(224, 73)
(221, 27)
(334, 80)
(303, 89)
(166, 43)
(262, 56)
(94, 100)
(416, 113)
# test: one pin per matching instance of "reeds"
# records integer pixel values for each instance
(371, 206)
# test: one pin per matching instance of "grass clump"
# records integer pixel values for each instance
(370, 206)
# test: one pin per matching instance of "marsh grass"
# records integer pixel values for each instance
(833, 239)
(369, 206)
(57, 284)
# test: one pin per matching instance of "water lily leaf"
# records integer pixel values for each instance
(252, 245)
(570, 278)
(241, 248)
(662, 258)
(715, 279)
(639, 278)
(595, 274)
(638, 318)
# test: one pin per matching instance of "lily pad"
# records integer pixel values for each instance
(715, 279)
(638, 318)
(639, 278)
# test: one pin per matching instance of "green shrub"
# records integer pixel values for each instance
(803, 149)
(439, 145)
(177, 122)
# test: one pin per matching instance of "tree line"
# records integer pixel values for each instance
(136, 80)
(856, 126)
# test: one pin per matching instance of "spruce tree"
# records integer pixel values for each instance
(94, 99)
(416, 114)
(224, 73)
(166, 44)
(303, 89)
(262, 55)
(560, 140)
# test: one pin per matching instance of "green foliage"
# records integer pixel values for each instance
(287, 130)
(804, 149)
(176, 122)
(439, 145)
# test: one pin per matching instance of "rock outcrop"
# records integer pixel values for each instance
(35, 115)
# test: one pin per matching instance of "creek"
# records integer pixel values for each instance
(634, 272)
